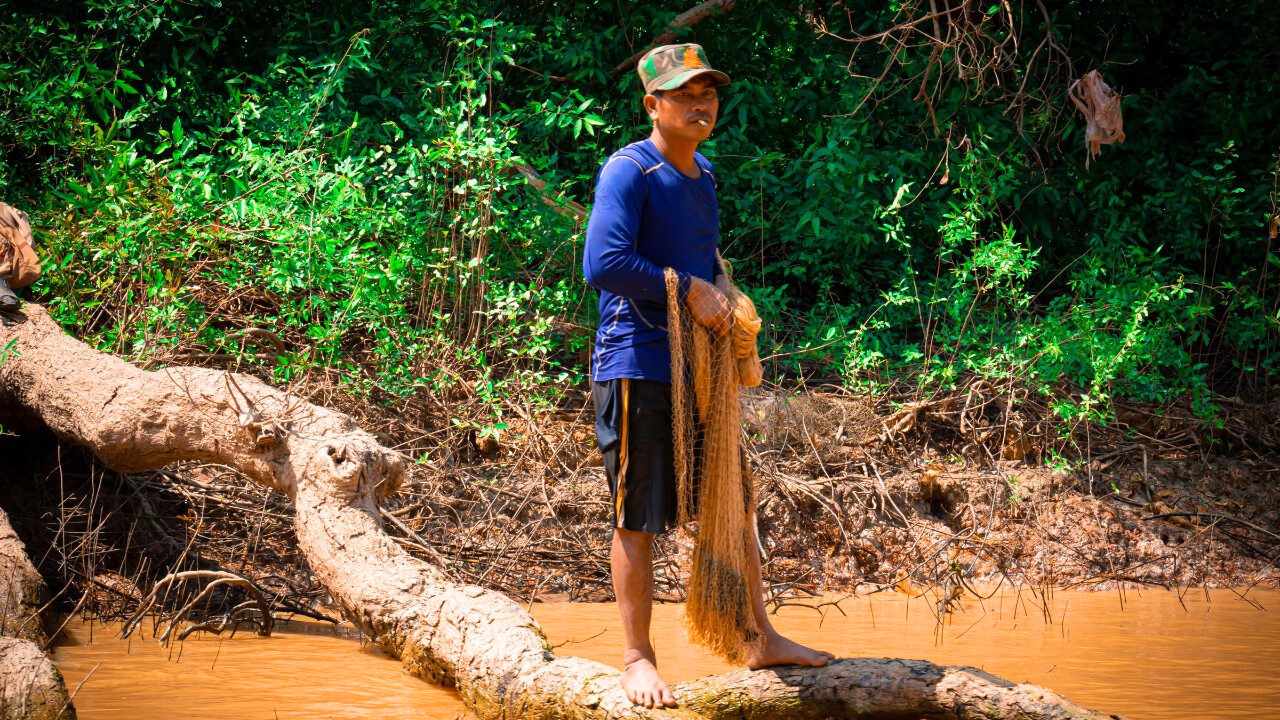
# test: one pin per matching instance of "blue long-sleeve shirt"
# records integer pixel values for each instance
(647, 216)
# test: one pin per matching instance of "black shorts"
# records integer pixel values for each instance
(633, 432)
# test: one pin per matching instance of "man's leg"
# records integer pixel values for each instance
(631, 562)
(776, 649)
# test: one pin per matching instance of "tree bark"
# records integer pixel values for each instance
(31, 688)
(21, 588)
(476, 640)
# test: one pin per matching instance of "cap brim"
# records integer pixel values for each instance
(685, 76)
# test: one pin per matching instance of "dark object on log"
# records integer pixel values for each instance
(477, 640)
(8, 298)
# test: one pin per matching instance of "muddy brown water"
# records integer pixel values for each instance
(1143, 655)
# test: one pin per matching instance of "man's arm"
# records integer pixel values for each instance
(610, 260)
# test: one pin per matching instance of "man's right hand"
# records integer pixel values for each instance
(708, 306)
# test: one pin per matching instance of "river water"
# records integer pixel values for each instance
(1143, 655)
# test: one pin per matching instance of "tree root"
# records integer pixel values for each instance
(477, 640)
(218, 579)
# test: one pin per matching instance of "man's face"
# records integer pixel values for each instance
(687, 112)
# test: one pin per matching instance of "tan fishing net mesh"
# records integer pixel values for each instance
(713, 479)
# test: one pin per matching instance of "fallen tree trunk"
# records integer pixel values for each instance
(477, 640)
(21, 588)
(31, 688)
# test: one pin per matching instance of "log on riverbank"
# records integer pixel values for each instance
(477, 640)
(31, 688)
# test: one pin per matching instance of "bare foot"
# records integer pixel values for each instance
(643, 686)
(779, 650)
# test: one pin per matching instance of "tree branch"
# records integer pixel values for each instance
(688, 18)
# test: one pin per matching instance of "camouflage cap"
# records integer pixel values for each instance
(669, 66)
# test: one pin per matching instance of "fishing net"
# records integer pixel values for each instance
(713, 478)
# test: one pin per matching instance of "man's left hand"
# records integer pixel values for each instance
(709, 307)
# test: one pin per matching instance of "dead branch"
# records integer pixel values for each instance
(218, 579)
(570, 208)
(964, 42)
(688, 18)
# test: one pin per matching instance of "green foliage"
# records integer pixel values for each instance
(335, 194)
(9, 350)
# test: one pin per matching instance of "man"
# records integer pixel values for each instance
(655, 207)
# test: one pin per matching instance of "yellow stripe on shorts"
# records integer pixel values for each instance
(622, 451)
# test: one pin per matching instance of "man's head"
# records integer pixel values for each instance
(680, 91)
